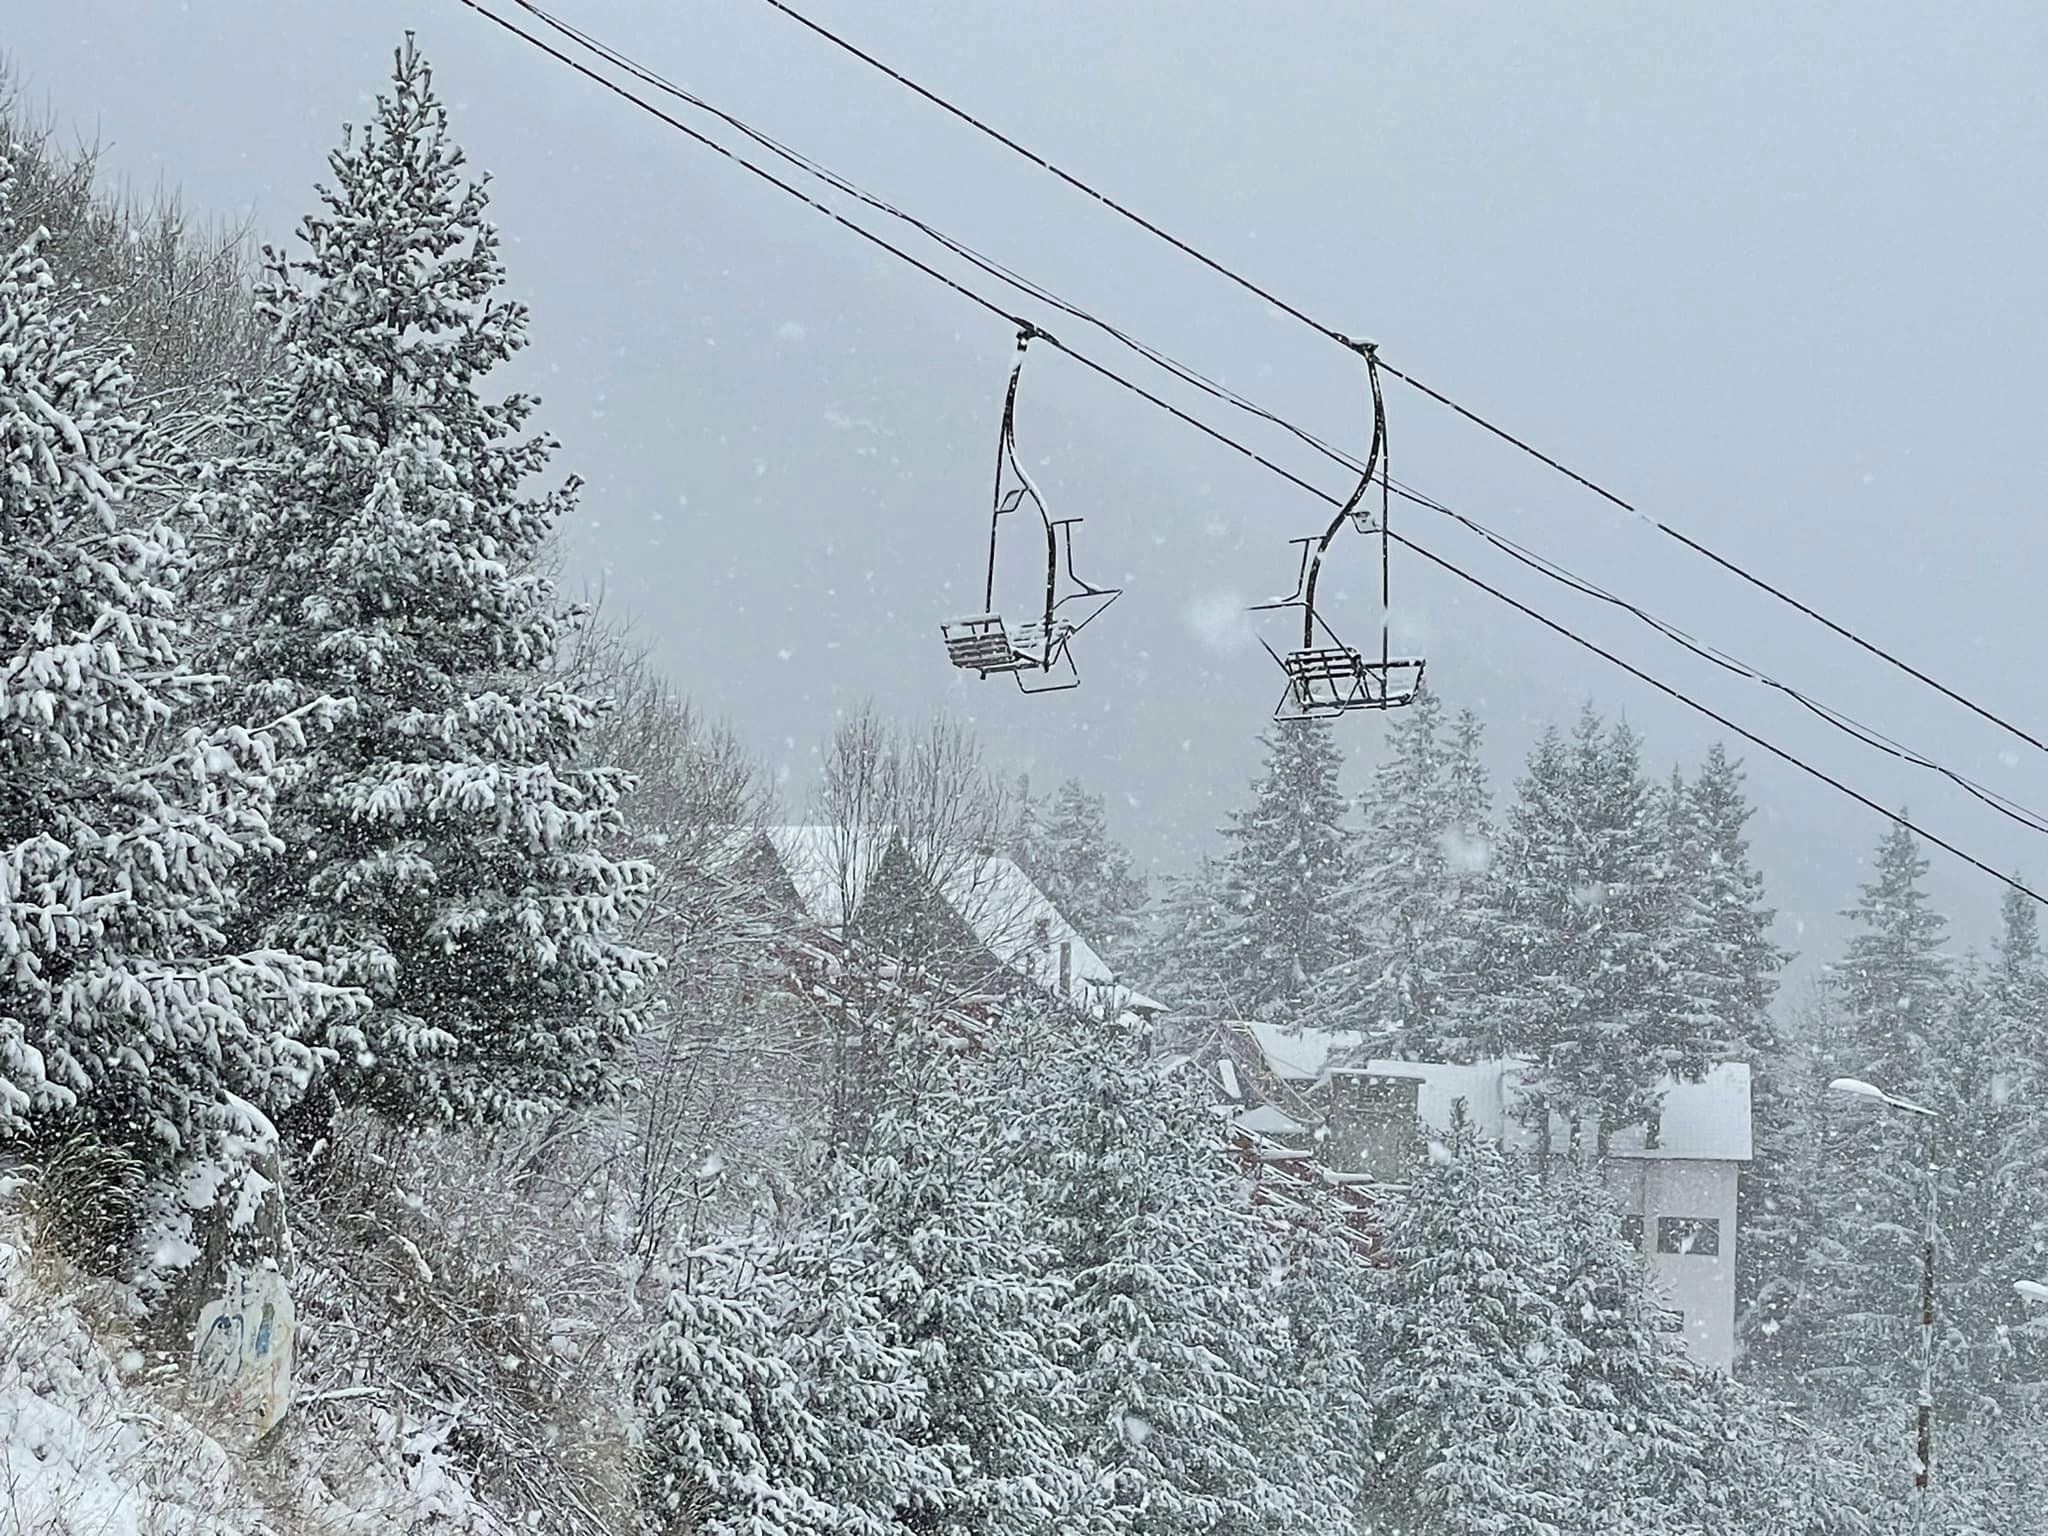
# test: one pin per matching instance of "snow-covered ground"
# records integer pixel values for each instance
(97, 1438)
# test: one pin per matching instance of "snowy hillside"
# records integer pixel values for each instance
(97, 1437)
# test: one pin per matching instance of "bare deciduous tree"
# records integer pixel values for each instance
(722, 1080)
(171, 294)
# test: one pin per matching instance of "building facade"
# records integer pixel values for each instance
(1309, 1090)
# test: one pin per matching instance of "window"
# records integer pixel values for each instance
(1696, 1235)
(1632, 1232)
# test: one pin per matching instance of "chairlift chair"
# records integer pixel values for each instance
(1037, 651)
(1326, 677)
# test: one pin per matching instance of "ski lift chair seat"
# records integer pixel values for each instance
(982, 644)
(1332, 679)
(1037, 642)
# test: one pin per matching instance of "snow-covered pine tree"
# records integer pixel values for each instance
(877, 1465)
(2019, 1003)
(1888, 999)
(1988, 1145)
(1475, 1430)
(1465, 1031)
(1656, 1435)
(729, 1445)
(1894, 975)
(1066, 848)
(2019, 989)
(1580, 941)
(1723, 979)
(1176, 952)
(1384, 979)
(1725, 923)
(968, 1287)
(445, 847)
(1284, 874)
(1790, 1262)
(1470, 796)
(125, 831)
(1412, 897)
(1119, 1172)
(1324, 1294)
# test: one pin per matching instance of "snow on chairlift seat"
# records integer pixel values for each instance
(1330, 679)
(1037, 642)
(979, 643)
(983, 643)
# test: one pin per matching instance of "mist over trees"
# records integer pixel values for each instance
(646, 1156)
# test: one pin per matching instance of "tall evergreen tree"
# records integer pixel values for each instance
(1328, 1356)
(2019, 987)
(1658, 1436)
(1988, 1147)
(1792, 1260)
(2019, 1008)
(730, 1446)
(1177, 951)
(1413, 898)
(1581, 942)
(1889, 999)
(1283, 876)
(1894, 975)
(967, 1285)
(1475, 1428)
(444, 848)
(1066, 848)
(1470, 797)
(1725, 925)
(877, 1465)
(1172, 1362)
(125, 832)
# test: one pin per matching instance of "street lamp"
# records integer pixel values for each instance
(1855, 1087)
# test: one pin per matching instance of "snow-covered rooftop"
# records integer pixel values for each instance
(1302, 1055)
(1706, 1121)
(829, 867)
(1018, 924)
(1268, 1121)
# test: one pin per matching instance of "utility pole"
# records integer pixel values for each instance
(1923, 1473)
(1925, 1405)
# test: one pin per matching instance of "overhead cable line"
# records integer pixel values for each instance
(1720, 719)
(1332, 333)
(985, 263)
(1550, 569)
(1240, 448)
(1869, 736)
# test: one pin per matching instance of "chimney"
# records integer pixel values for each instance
(1066, 969)
(1372, 1122)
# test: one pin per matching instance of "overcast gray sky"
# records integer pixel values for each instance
(1772, 271)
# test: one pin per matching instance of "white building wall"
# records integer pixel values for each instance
(1698, 1285)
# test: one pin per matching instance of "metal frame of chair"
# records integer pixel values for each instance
(984, 643)
(1326, 677)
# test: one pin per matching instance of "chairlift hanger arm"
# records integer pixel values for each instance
(1005, 453)
(1314, 567)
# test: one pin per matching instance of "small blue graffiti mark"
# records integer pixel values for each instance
(262, 1345)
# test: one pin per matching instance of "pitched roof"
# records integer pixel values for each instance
(1018, 924)
(829, 867)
